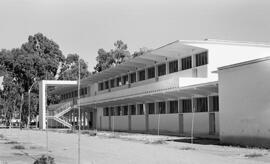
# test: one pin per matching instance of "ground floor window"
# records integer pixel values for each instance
(112, 111)
(125, 110)
(174, 106)
(140, 109)
(151, 108)
(215, 104)
(201, 105)
(132, 109)
(106, 111)
(187, 106)
(161, 107)
(118, 81)
(112, 83)
(141, 75)
(118, 111)
(133, 77)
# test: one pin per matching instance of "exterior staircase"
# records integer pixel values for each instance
(56, 112)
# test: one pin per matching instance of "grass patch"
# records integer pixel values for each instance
(19, 147)
(253, 155)
(11, 142)
(44, 159)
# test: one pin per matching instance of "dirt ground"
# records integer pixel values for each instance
(119, 148)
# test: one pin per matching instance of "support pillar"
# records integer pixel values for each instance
(42, 105)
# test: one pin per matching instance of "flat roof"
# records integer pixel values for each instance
(244, 63)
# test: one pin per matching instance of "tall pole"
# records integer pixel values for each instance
(79, 112)
(29, 106)
(192, 123)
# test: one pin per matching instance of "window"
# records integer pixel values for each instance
(133, 77)
(215, 104)
(201, 104)
(151, 72)
(118, 81)
(141, 75)
(125, 79)
(140, 109)
(161, 69)
(112, 111)
(133, 110)
(173, 66)
(187, 106)
(125, 110)
(201, 59)
(100, 86)
(174, 106)
(161, 107)
(151, 108)
(106, 84)
(118, 111)
(112, 83)
(186, 63)
(106, 111)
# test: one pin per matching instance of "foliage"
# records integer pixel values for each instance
(44, 159)
(70, 67)
(116, 56)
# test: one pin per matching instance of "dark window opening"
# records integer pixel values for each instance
(100, 86)
(173, 66)
(106, 111)
(118, 81)
(215, 104)
(140, 110)
(133, 77)
(133, 110)
(125, 79)
(201, 59)
(187, 106)
(173, 106)
(161, 107)
(141, 75)
(125, 110)
(106, 83)
(118, 111)
(112, 83)
(201, 104)
(151, 72)
(186, 63)
(161, 69)
(151, 108)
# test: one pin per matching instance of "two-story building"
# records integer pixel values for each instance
(174, 89)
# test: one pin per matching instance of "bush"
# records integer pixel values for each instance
(20, 147)
(12, 142)
(44, 159)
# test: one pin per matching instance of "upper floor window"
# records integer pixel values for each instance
(151, 72)
(173, 66)
(133, 110)
(186, 63)
(118, 81)
(100, 86)
(215, 104)
(187, 106)
(112, 83)
(174, 106)
(151, 108)
(201, 104)
(133, 77)
(125, 79)
(201, 59)
(141, 75)
(161, 107)
(161, 69)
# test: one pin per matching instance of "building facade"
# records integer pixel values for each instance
(174, 89)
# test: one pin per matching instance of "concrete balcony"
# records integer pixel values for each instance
(168, 81)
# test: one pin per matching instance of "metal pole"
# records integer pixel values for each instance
(192, 125)
(79, 112)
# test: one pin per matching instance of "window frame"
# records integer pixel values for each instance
(186, 63)
(149, 71)
(173, 66)
(160, 71)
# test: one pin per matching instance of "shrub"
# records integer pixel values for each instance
(20, 147)
(11, 142)
(44, 159)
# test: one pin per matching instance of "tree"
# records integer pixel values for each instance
(115, 56)
(70, 67)
(140, 52)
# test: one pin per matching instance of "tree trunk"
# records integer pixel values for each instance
(21, 105)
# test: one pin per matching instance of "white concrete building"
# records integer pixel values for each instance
(176, 89)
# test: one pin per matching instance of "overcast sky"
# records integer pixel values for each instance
(84, 26)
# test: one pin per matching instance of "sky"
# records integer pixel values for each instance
(84, 26)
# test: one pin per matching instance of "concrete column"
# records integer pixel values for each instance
(156, 107)
(179, 64)
(42, 105)
(180, 106)
(110, 118)
(194, 104)
(129, 117)
(167, 107)
(145, 109)
(167, 67)
(193, 59)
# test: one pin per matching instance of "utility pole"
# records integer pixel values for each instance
(79, 112)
